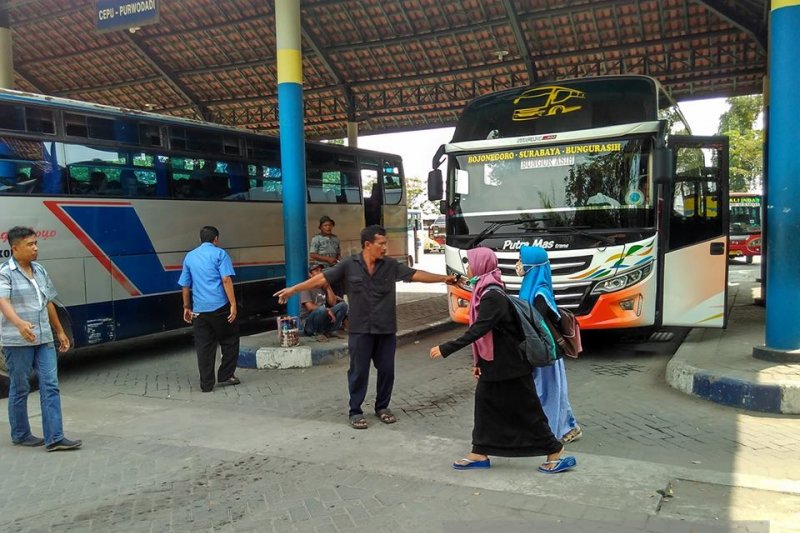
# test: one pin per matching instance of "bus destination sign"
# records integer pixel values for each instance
(746, 201)
(113, 15)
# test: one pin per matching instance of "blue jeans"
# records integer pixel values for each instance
(20, 361)
(318, 322)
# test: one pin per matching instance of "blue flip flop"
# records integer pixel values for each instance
(472, 464)
(562, 465)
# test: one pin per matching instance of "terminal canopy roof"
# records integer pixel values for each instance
(390, 65)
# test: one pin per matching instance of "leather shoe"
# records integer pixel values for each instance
(64, 444)
(31, 442)
(233, 380)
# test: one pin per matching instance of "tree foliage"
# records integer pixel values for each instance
(417, 196)
(740, 124)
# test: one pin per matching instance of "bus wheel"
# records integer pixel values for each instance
(749, 259)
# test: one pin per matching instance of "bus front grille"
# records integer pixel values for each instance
(571, 295)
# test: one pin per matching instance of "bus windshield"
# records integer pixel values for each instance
(599, 185)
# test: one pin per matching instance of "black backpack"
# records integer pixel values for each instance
(538, 345)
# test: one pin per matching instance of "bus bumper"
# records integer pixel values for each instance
(458, 304)
(618, 310)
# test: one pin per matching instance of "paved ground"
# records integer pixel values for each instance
(275, 453)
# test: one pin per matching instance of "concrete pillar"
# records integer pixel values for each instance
(352, 134)
(6, 51)
(783, 186)
(293, 165)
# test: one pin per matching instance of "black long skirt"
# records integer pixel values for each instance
(509, 420)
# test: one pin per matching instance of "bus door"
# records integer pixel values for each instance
(696, 218)
(384, 201)
(394, 208)
(371, 185)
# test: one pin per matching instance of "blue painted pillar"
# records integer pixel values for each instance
(293, 164)
(783, 187)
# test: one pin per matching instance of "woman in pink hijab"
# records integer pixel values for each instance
(509, 420)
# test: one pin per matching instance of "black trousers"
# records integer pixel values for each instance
(363, 348)
(210, 330)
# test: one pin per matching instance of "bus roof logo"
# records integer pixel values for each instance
(548, 100)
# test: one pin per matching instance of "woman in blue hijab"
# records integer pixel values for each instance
(551, 381)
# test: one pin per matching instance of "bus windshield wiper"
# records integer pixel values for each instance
(495, 225)
(578, 230)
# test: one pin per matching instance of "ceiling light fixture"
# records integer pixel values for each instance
(501, 54)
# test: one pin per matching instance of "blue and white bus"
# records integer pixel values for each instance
(118, 197)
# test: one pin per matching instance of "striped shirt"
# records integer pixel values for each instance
(29, 298)
(327, 245)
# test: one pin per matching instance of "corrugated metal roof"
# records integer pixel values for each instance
(389, 64)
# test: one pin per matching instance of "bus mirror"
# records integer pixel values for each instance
(435, 189)
(662, 166)
(438, 157)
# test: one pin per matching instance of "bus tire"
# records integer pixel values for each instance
(749, 259)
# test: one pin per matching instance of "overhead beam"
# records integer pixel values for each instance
(748, 24)
(600, 49)
(109, 86)
(453, 95)
(491, 24)
(172, 80)
(468, 73)
(522, 43)
(326, 62)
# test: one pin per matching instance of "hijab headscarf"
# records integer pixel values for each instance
(538, 280)
(483, 264)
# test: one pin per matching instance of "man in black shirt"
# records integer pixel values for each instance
(369, 279)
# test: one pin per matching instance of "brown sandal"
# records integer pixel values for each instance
(386, 416)
(358, 422)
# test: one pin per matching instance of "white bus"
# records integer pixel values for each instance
(594, 177)
(118, 198)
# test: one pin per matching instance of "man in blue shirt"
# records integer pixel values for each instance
(209, 303)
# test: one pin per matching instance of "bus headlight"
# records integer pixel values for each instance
(618, 283)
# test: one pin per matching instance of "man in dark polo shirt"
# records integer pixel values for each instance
(369, 280)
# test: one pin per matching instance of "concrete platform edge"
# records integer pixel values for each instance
(275, 357)
(716, 386)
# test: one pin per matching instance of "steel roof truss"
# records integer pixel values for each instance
(744, 21)
(519, 37)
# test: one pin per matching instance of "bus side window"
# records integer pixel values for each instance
(29, 167)
(265, 182)
(392, 185)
